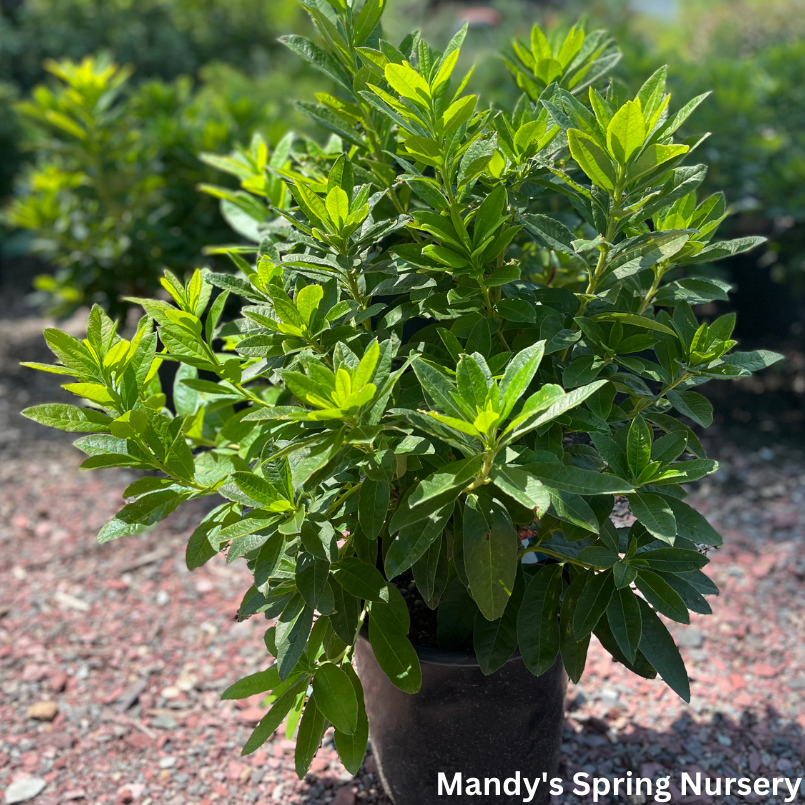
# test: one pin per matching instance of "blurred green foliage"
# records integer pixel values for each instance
(111, 198)
(105, 158)
(162, 38)
(752, 53)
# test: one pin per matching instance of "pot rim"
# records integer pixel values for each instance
(438, 656)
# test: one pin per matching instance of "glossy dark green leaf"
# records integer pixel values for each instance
(495, 641)
(592, 603)
(661, 651)
(523, 487)
(311, 578)
(373, 506)
(623, 614)
(538, 619)
(490, 553)
(692, 405)
(311, 730)
(293, 629)
(395, 654)
(662, 596)
(655, 514)
(335, 697)
(352, 748)
(574, 652)
(674, 560)
(359, 579)
(456, 615)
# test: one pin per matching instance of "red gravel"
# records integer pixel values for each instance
(135, 651)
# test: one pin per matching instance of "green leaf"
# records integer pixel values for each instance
(438, 388)
(636, 321)
(335, 697)
(414, 540)
(674, 560)
(574, 652)
(434, 492)
(692, 525)
(347, 612)
(394, 653)
(199, 548)
(308, 739)
(472, 382)
(273, 718)
(578, 481)
(753, 361)
(519, 374)
(626, 132)
(662, 596)
(661, 651)
(523, 487)
(638, 445)
(554, 234)
(337, 203)
(359, 579)
(144, 511)
(623, 614)
(624, 574)
(261, 491)
(654, 156)
(253, 684)
(725, 248)
(495, 641)
(456, 615)
(592, 159)
(490, 553)
(373, 506)
(574, 509)
(655, 514)
(311, 577)
(408, 82)
(593, 602)
(352, 748)
(69, 418)
(307, 302)
(320, 59)
(94, 392)
(431, 572)
(293, 630)
(538, 620)
(693, 406)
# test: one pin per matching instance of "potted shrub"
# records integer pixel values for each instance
(467, 336)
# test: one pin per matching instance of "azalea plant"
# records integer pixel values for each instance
(461, 334)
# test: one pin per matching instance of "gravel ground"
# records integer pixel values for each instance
(113, 657)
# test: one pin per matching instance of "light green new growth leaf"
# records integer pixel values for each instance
(308, 300)
(626, 132)
(592, 159)
(337, 203)
(408, 82)
(69, 418)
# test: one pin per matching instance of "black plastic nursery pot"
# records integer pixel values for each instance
(501, 726)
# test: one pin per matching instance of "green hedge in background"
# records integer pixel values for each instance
(161, 39)
(112, 196)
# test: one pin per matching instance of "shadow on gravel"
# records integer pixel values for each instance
(715, 748)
